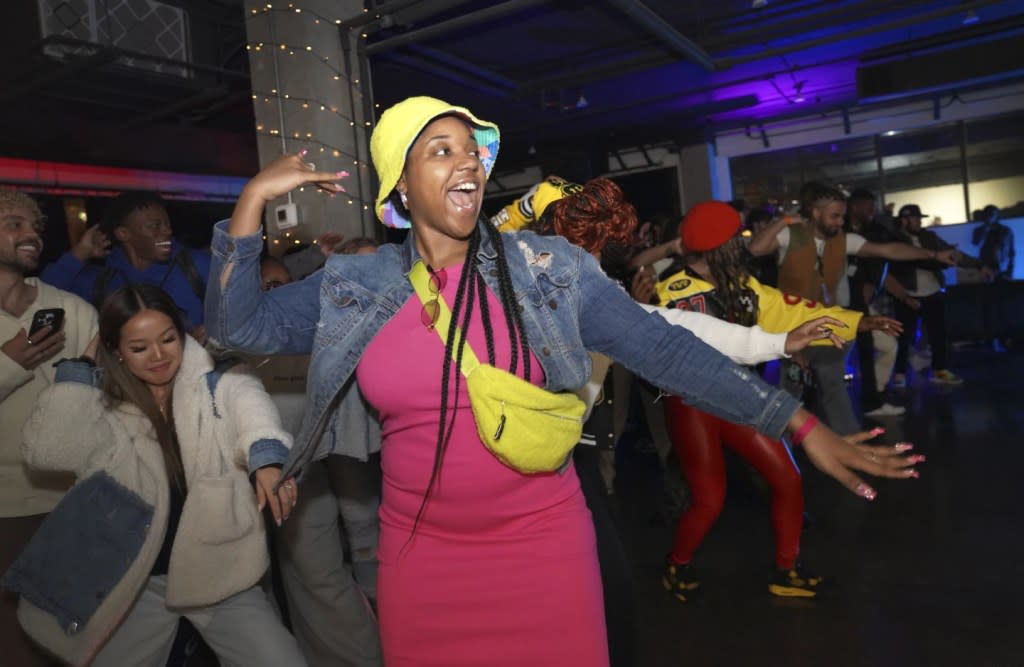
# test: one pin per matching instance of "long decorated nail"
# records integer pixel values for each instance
(303, 152)
(341, 174)
(918, 458)
(878, 430)
(865, 491)
(913, 474)
(904, 447)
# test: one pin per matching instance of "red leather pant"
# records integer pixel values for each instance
(698, 438)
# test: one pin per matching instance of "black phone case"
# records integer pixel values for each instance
(48, 317)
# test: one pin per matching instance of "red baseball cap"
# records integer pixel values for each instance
(708, 225)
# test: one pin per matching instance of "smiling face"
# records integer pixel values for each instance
(443, 180)
(151, 348)
(20, 240)
(828, 217)
(146, 235)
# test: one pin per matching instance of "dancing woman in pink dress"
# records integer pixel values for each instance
(480, 564)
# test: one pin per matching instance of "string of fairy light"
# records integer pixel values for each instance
(297, 104)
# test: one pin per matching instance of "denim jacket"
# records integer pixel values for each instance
(569, 307)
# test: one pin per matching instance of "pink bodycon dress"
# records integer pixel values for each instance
(502, 569)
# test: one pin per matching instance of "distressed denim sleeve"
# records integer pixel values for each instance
(240, 316)
(673, 359)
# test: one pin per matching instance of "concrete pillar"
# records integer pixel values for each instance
(702, 175)
(308, 93)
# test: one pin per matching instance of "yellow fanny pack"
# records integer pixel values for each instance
(526, 427)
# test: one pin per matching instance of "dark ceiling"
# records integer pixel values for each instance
(559, 77)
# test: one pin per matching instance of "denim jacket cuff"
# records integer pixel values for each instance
(777, 413)
(76, 370)
(266, 452)
(230, 248)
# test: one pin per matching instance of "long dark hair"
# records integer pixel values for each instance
(730, 274)
(472, 291)
(119, 384)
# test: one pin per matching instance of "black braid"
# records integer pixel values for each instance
(485, 315)
(509, 304)
(444, 430)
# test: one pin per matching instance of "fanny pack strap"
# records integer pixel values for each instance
(420, 279)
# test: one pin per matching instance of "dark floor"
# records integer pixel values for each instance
(928, 574)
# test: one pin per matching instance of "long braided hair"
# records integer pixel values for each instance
(471, 291)
(730, 274)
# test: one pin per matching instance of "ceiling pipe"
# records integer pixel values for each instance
(463, 66)
(844, 13)
(725, 63)
(672, 38)
(471, 18)
(447, 74)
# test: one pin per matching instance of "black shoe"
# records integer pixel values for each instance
(681, 581)
(796, 582)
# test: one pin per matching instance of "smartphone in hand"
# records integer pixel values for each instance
(47, 317)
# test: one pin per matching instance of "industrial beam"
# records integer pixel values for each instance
(468, 19)
(672, 38)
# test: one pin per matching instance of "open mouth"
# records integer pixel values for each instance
(465, 196)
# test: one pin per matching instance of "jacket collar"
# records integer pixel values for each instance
(487, 252)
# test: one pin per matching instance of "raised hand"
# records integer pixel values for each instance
(94, 244)
(278, 178)
(289, 172)
(817, 329)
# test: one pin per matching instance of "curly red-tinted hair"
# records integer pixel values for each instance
(594, 216)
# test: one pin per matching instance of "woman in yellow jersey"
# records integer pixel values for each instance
(715, 281)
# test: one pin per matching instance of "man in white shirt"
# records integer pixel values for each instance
(26, 368)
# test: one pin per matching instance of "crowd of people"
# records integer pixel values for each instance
(196, 421)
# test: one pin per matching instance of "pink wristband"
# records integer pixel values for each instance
(805, 428)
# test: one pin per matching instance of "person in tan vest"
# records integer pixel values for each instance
(812, 256)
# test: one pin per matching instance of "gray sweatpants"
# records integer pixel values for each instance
(329, 613)
(243, 631)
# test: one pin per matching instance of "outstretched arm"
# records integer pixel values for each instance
(238, 314)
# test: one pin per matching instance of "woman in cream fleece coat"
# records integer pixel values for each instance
(163, 521)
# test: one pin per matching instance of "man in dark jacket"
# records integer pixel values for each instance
(925, 282)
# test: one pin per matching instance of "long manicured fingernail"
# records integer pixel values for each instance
(878, 430)
(278, 522)
(918, 458)
(913, 474)
(303, 152)
(865, 491)
(341, 174)
(904, 447)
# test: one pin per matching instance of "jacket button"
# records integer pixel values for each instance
(546, 352)
(230, 246)
(553, 304)
(344, 301)
(494, 273)
(521, 308)
(72, 628)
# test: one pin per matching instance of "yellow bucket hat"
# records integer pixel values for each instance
(394, 136)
